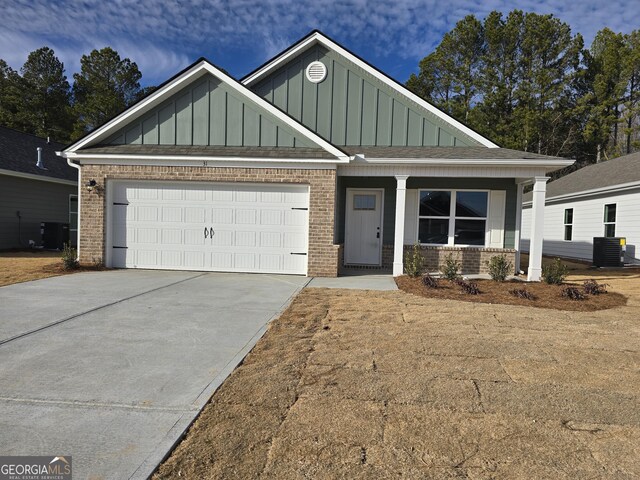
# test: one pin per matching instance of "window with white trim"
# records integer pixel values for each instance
(73, 217)
(568, 224)
(610, 220)
(453, 217)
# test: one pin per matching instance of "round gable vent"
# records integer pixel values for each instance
(316, 72)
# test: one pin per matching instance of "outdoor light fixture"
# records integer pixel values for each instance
(93, 185)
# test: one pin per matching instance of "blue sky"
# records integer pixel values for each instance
(163, 37)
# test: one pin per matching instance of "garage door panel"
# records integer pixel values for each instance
(172, 214)
(294, 241)
(270, 262)
(244, 261)
(271, 217)
(194, 260)
(212, 227)
(148, 193)
(245, 239)
(194, 214)
(143, 258)
(194, 236)
(296, 218)
(222, 216)
(246, 217)
(196, 194)
(271, 239)
(146, 214)
(172, 237)
(246, 196)
(223, 238)
(221, 261)
(142, 235)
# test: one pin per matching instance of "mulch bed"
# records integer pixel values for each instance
(544, 295)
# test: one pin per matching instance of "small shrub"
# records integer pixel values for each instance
(450, 268)
(430, 282)
(591, 287)
(572, 293)
(413, 262)
(522, 293)
(69, 257)
(98, 263)
(499, 268)
(555, 273)
(470, 288)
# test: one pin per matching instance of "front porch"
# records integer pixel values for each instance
(473, 218)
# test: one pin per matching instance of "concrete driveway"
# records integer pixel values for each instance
(111, 367)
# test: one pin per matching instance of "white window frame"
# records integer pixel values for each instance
(565, 224)
(452, 217)
(605, 223)
(71, 230)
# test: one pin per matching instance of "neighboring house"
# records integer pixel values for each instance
(601, 200)
(35, 186)
(314, 161)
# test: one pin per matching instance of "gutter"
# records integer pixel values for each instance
(71, 163)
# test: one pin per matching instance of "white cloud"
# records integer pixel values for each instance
(162, 37)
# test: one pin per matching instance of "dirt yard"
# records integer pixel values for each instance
(356, 384)
(16, 267)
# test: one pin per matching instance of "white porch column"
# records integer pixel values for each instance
(537, 229)
(518, 232)
(398, 242)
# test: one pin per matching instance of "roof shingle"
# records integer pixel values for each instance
(18, 153)
(600, 175)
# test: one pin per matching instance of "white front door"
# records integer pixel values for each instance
(234, 227)
(363, 230)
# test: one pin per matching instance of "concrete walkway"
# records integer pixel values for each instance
(111, 367)
(356, 282)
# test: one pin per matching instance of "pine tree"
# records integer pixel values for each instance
(105, 86)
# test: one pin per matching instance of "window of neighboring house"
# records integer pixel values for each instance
(568, 224)
(73, 219)
(610, 220)
(453, 217)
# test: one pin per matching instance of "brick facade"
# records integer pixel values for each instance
(472, 260)
(322, 256)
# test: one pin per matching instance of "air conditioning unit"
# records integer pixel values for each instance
(609, 251)
(54, 235)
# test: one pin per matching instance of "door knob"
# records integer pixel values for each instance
(211, 232)
(206, 232)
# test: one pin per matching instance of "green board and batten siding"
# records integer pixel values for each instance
(352, 107)
(207, 112)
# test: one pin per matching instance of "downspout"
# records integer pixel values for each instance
(77, 167)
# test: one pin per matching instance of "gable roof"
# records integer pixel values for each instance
(609, 175)
(197, 70)
(18, 153)
(317, 37)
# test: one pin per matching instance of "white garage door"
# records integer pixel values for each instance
(212, 227)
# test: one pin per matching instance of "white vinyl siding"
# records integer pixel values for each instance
(588, 216)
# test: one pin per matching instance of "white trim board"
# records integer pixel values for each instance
(317, 37)
(42, 178)
(587, 193)
(196, 71)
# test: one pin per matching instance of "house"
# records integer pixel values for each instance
(313, 162)
(35, 186)
(601, 200)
